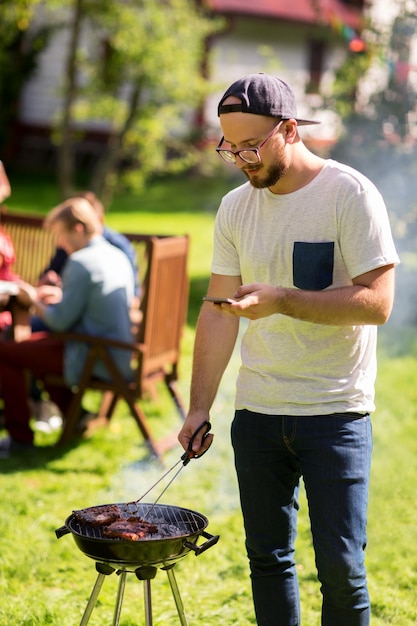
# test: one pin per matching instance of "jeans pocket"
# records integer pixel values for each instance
(313, 265)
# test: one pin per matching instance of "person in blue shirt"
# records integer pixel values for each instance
(44, 411)
(95, 298)
(52, 273)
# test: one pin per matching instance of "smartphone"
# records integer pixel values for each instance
(218, 300)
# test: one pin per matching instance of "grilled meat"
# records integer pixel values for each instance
(133, 529)
(98, 515)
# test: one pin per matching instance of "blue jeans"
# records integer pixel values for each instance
(332, 453)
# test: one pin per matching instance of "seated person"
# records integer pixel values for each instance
(44, 410)
(95, 298)
(7, 255)
(52, 274)
(5, 189)
(7, 258)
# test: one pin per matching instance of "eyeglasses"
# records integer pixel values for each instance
(249, 155)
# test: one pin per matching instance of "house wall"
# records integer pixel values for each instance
(249, 44)
(41, 101)
(41, 97)
(256, 45)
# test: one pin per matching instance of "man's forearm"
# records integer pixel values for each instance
(215, 339)
(367, 301)
(354, 305)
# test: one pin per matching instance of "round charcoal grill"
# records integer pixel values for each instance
(178, 530)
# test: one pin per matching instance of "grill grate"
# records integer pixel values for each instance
(171, 521)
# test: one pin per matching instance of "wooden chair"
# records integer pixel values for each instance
(155, 353)
(34, 245)
(156, 349)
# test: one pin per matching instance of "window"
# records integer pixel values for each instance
(316, 52)
(358, 4)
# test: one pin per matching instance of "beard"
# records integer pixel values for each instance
(273, 174)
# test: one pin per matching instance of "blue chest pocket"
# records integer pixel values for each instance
(313, 265)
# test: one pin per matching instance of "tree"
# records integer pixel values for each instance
(141, 75)
(19, 51)
(380, 137)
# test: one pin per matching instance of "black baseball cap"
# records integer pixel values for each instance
(262, 94)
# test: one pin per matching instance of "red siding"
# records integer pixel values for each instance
(307, 11)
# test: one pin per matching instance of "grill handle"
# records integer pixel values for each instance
(211, 541)
(60, 532)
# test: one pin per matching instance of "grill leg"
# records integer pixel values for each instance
(119, 600)
(148, 602)
(176, 593)
(147, 573)
(93, 599)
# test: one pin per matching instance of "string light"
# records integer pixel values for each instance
(355, 43)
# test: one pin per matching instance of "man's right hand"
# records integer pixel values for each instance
(192, 422)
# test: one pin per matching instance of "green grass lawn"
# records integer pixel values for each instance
(44, 580)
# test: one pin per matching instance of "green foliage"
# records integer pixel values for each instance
(346, 80)
(140, 74)
(15, 16)
(19, 51)
(379, 137)
(137, 73)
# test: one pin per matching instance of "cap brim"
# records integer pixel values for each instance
(306, 122)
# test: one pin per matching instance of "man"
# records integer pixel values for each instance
(96, 295)
(52, 273)
(43, 410)
(304, 250)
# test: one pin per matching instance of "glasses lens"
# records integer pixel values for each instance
(227, 156)
(250, 156)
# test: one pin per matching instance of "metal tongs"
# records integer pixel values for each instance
(185, 459)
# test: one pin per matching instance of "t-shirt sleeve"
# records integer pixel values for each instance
(225, 257)
(366, 241)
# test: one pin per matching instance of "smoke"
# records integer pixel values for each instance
(208, 484)
(391, 164)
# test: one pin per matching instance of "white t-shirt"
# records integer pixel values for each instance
(318, 237)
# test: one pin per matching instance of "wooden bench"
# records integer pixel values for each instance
(156, 349)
